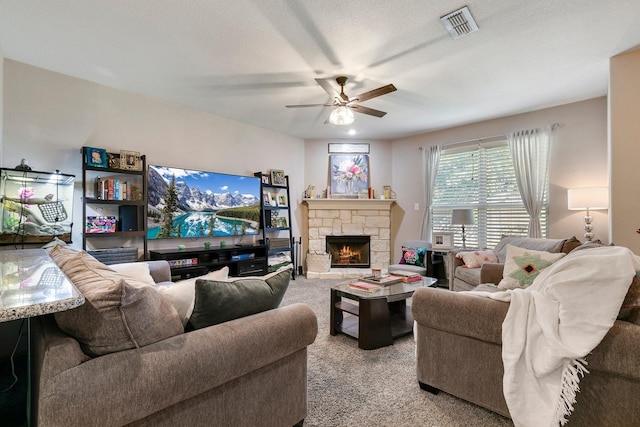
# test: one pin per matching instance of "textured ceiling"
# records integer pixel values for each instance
(247, 59)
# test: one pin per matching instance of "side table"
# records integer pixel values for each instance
(31, 284)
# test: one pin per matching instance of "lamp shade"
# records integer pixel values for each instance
(592, 198)
(462, 216)
(341, 116)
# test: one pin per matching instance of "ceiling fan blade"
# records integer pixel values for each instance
(366, 110)
(328, 88)
(309, 105)
(376, 92)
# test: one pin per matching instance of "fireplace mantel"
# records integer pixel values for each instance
(380, 204)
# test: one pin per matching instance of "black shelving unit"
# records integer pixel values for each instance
(128, 209)
(249, 260)
(276, 217)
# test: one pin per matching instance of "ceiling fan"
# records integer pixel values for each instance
(342, 114)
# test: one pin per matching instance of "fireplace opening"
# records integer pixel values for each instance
(349, 251)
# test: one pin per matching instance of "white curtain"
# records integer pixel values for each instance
(430, 160)
(530, 152)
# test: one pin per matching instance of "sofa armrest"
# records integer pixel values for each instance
(618, 352)
(491, 272)
(160, 271)
(459, 313)
(142, 381)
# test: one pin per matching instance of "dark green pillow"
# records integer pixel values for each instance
(221, 301)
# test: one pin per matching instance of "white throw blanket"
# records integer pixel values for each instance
(553, 324)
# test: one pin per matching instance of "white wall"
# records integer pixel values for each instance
(49, 116)
(624, 126)
(578, 159)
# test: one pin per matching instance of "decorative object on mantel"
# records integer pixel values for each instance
(588, 198)
(349, 174)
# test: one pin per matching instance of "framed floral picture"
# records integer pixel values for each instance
(349, 174)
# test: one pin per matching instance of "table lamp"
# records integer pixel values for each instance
(588, 198)
(462, 217)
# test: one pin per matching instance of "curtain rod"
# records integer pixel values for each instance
(486, 138)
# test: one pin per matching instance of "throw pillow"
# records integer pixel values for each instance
(220, 301)
(119, 313)
(475, 259)
(413, 256)
(136, 270)
(182, 294)
(536, 244)
(522, 266)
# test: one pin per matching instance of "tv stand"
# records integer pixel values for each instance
(242, 260)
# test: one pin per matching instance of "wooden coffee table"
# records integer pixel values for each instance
(376, 318)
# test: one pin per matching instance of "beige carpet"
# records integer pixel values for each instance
(353, 387)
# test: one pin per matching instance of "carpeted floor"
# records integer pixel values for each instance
(353, 387)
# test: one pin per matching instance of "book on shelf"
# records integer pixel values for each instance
(384, 280)
(363, 286)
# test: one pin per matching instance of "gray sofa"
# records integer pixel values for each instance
(245, 372)
(466, 279)
(459, 351)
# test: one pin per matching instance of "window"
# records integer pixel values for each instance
(481, 178)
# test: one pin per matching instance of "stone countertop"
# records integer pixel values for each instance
(31, 284)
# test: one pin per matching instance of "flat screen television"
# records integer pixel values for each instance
(184, 203)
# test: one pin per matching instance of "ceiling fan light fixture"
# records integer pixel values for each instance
(341, 115)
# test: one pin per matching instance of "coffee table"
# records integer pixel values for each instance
(375, 318)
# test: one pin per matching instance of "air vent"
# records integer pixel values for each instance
(459, 23)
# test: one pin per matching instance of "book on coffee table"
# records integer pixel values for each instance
(407, 276)
(384, 280)
(363, 286)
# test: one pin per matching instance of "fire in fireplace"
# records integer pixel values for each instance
(349, 251)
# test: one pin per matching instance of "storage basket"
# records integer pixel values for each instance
(318, 263)
(115, 255)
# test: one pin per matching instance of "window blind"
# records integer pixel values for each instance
(482, 178)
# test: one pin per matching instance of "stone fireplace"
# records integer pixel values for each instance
(349, 251)
(370, 218)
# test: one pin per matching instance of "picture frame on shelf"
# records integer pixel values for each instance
(442, 240)
(113, 160)
(266, 199)
(277, 177)
(266, 179)
(281, 200)
(96, 157)
(282, 222)
(130, 160)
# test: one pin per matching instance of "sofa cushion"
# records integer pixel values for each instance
(546, 245)
(413, 256)
(182, 294)
(469, 275)
(119, 312)
(218, 301)
(522, 266)
(475, 259)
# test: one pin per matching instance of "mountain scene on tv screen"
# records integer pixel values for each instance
(185, 203)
